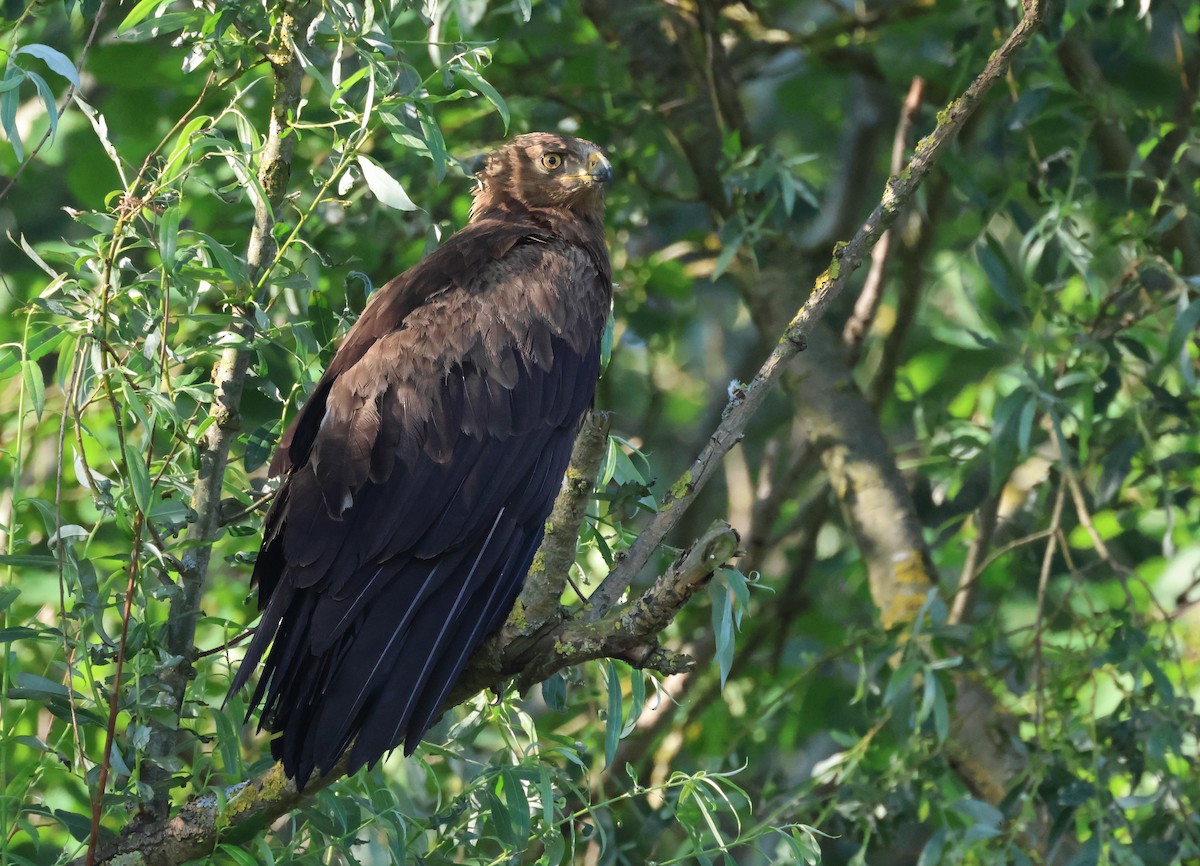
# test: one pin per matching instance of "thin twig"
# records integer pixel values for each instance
(1043, 582)
(60, 551)
(855, 331)
(249, 509)
(968, 582)
(1085, 519)
(229, 375)
(114, 700)
(229, 644)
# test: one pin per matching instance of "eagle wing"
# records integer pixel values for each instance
(420, 475)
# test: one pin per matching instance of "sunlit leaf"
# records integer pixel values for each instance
(55, 59)
(383, 186)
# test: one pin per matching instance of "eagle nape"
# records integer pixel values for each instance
(418, 476)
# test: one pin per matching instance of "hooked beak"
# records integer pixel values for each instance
(599, 168)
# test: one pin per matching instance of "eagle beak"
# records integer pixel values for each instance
(599, 168)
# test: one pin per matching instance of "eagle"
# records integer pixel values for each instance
(419, 474)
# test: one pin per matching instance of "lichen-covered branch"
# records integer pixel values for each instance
(846, 259)
(858, 461)
(547, 578)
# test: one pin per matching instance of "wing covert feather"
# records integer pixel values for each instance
(420, 475)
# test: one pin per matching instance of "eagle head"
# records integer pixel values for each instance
(543, 169)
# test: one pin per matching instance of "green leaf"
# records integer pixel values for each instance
(21, 632)
(35, 387)
(901, 681)
(728, 251)
(606, 345)
(554, 692)
(931, 854)
(722, 625)
(1000, 275)
(477, 82)
(432, 135)
(613, 722)
(138, 14)
(168, 236)
(1088, 854)
(8, 594)
(383, 186)
(259, 445)
(33, 687)
(9, 102)
(1184, 327)
(55, 59)
(517, 803)
(232, 266)
(27, 560)
(79, 826)
(177, 162)
(139, 477)
(237, 855)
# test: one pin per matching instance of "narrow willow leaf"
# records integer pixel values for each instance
(139, 477)
(9, 102)
(518, 806)
(383, 186)
(55, 59)
(722, 625)
(233, 267)
(477, 82)
(138, 14)
(8, 594)
(614, 720)
(35, 387)
(168, 236)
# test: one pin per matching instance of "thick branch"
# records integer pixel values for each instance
(547, 578)
(845, 431)
(846, 259)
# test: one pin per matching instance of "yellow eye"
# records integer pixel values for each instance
(551, 161)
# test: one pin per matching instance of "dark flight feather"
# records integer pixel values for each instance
(419, 474)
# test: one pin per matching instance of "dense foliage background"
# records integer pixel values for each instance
(963, 624)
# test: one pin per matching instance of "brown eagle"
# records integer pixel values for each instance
(419, 474)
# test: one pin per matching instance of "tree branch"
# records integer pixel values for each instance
(846, 260)
(547, 578)
(855, 330)
(629, 634)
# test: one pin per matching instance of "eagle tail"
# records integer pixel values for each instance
(366, 671)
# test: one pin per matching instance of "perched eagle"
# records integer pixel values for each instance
(419, 474)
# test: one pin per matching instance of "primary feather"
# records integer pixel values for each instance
(420, 473)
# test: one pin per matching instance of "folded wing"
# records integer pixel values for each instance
(420, 475)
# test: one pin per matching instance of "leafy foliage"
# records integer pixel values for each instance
(1033, 364)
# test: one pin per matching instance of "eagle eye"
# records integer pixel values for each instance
(551, 161)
